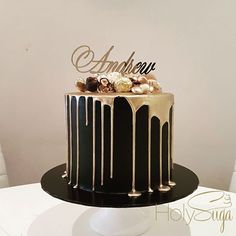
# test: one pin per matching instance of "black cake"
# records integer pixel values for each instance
(120, 143)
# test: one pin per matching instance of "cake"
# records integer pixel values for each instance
(119, 129)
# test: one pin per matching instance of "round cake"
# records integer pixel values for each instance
(120, 130)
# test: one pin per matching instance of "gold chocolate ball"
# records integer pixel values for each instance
(123, 85)
(80, 84)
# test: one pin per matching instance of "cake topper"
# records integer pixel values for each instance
(83, 59)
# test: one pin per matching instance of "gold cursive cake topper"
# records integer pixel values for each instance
(83, 59)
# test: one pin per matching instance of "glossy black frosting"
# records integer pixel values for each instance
(121, 181)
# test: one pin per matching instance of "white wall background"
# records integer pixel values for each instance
(193, 42)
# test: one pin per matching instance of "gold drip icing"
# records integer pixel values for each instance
(67, 137)
(170, 183)
(111, 139)
(94, 139)
(168, 163)
(102, 143)
(161, 188)
(159, 106)
(77, 143)
(149, 152)
(110, 102)
(133, 192)
(64, 176)
(70, 155)
(170, 147)
(172, 135)
(86, 110)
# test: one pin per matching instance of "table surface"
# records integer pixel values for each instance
(207, 211)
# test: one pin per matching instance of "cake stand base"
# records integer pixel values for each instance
(121, 221)
(75, 220)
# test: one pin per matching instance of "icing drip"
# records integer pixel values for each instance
(67, 136)
(172, 135)
(169, 152)
(94, 101)
(133, 192)
(64, 175)
(171, 138)
(86, 110)
(160, 154)
(102, 143)
(111, 138)
(70, 138)
(133, 150)
(149, 152)
(160, 109)
(161, 188)
(77, 143)
(170, 148)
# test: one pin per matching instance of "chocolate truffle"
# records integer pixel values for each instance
(91, 84)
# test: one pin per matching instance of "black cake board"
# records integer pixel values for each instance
(53, 183)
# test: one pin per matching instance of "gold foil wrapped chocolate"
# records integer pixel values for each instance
(122, 85)
(113, 76)
(80, 85)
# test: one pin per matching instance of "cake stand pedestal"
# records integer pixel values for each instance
(120, 215)
(122, 221)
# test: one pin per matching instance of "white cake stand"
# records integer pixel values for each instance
(74, 220)
(118, 214)
(121, 221)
